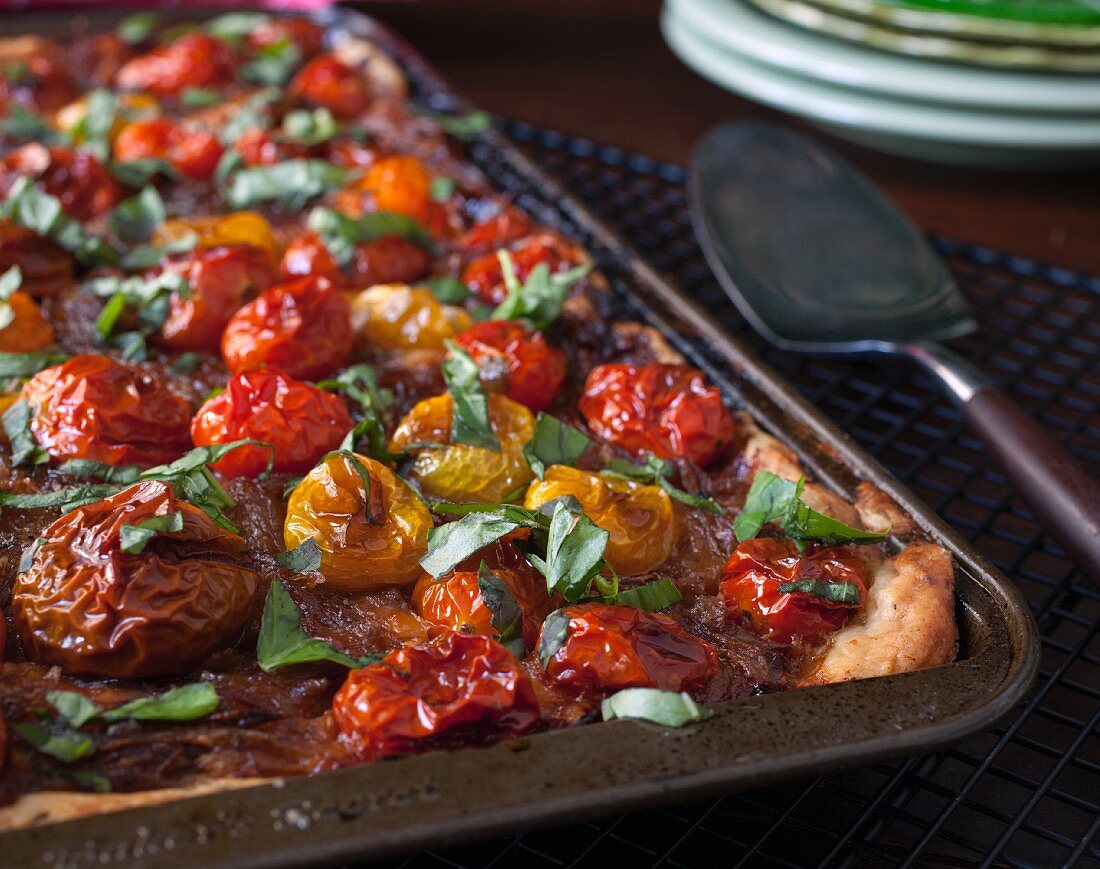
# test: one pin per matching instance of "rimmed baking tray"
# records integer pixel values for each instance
(442, 797)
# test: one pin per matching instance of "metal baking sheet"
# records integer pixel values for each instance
(443, 797)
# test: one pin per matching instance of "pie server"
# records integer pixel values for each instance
(819, 261)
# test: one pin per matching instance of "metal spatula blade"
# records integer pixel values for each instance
(818, 260)
(822, 262)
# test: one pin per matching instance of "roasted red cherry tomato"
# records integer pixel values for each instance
(387, 260)
(508, 225)
(306, 35)
(93, 407)
(46, 268)
(193, 151)
(262, 148)
(329, 82)
(609, 648)
(76, 178)
(195, 60)
(29, 330)
(299, 327)
(485, 277)
(667, 410)
(535, 370)
(750, 589)
(414, 695)
(91, 608)
(39, 84)
(300, 421)
(221, 279)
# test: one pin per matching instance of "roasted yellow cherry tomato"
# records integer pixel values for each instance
(461, 472)
(136, 106)
(240, 227)
(367, 539)
(638, 517)
(398, 317)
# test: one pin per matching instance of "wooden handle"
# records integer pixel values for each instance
(1063, 493)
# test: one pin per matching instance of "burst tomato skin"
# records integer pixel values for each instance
(419, 693)
(609, 648)
(29, 331)
(399, 317)
(192, 151)
(499, 231)
(260, 148)
(300, 421)
(367, 539)
(667, 410)
(39, 84)
(194, 60)
(329, 82)
(299, 327)
(306, 35)
(221, 280)
(536, 370)
(750, 589)
(92, 407)
(75, 177)
(90, 608)
(387, 260)
(46, 268)
(485, 277)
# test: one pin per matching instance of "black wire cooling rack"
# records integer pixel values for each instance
(1026, 793)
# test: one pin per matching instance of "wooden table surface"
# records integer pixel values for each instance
(600, 69)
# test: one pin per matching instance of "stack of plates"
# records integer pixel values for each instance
(905, 104)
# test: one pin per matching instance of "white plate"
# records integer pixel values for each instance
(909, 128)
(749, 32)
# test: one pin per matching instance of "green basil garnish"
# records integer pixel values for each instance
(28, 364)
(17, 426)
(254, 114)
(310, 127)
(149, 297)
(25, 126)
(462, 126)
(186, 703)
(10, 281)
(199, 98)
(837, 592)
(236, 25)
(292, 182)
(667, 708)
(555, 631)
(304, 558)
(448, 290)
(139, 173)
(41, 213)
(57, 740)
(442, 188)
(135, 29)
(507, 618)
(652, 597)
(540, 298)
(553, 443)
(340, 233)
(274, 64)
(470, 416)
(134, 538)
(135, 220)
(656, 472)
(574, 550)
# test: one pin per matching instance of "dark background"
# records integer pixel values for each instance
(599, 68)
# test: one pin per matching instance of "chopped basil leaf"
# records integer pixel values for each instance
(774, 499)
(540, 298)
(667, 708)
(303, 558)
(553, 443)
(125, 474)
(282, 640)
(448, 290)
(147, 296)
(66, 499)
(10, 281)
(451, 544)
(17, 425)
(574, 550)
(254, 114)
(199, 98)
(135, 220)
(462, 126)
(360, 384)
(130, 345)
(229, 162)
(41, 213)
(442, 188)
(470, 415)
(310, 127)
(274, 64)
(340, 233)
(138, 173)
(25, 126)
(236, 25)
(370, 428)
(185, 703)
(838, 592)
(135, 29)
(186, 362)
(292, 182)
(134, 538)
(656, 472)
(28, 364)
(27, 558)
(93, 131)
(86, 779)
(507, 617)
(148, 255)
(73, 707)
(555, 631)
(651, 597)
(57, 741)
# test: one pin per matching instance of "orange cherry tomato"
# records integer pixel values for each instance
(485, 277)
(39, 84)
(46, 268)
(457, 682)
(92, 407)
(29, 330)
(508, 225)
(240, 227)
(750, 589)
(306, 35)
(387, 260)
(193, 151)
(195, 60)
(76, 178)
(91, 608)
(609, 648)
(261, 148)
(221, 279)
(667, 410)
(400, 183)
(536, 370)
(300, 327)
(300, 421)
(398, 317)
(455, 602)
(329, 82)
